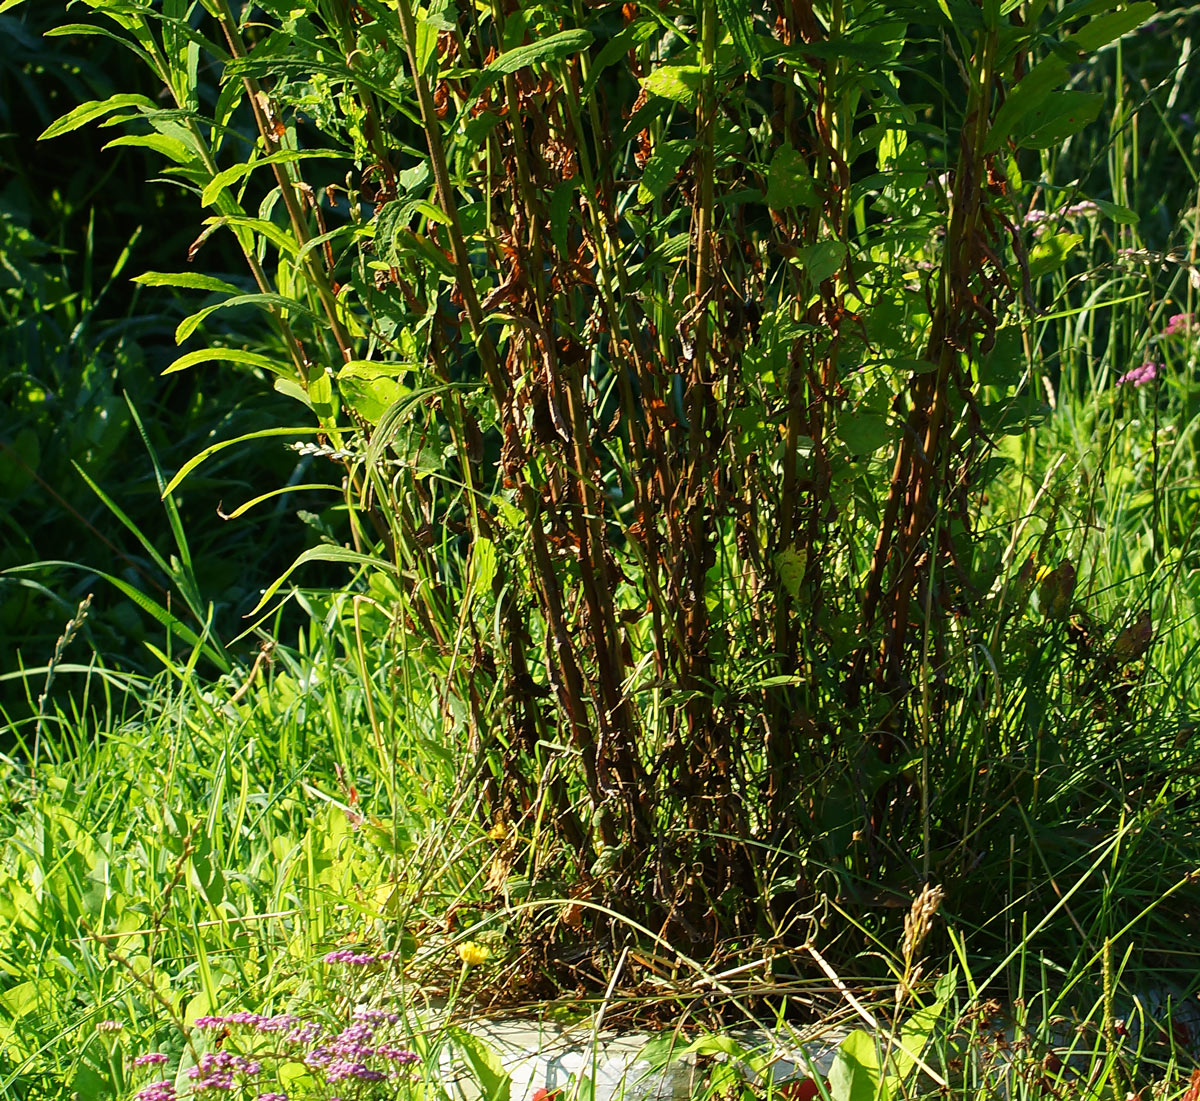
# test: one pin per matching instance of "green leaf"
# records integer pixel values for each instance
(662, 168)
(320, 396)
(171, 148)
(789, 181)
(863, 432)
(190, 324)
(1033, 88)
(822, 259)
(914, 1037)
(237, 172)
(370, 388)
(1056, 118)
(189, 280)
(211, 450)
(615, 49)
(553, 48)
(280, 238)
(322, 554)
(231, 355)
(483, 566)
(1122, 215)
(159, 613)
(1050, 253)
(1112, 25)
(737, 17)
(93, 109)
(855, 1075)
(791, 564)
(560, 213)
(680, 83)
(495, 1083)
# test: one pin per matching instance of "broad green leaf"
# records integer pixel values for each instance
(914, 1038)
(1051, 253)
(560, 213)
(855, 1075)
(822, 259)
(93, 109)
(171, 148)
(615, 49)
(791, 564)
(1122, 215)
(483, 566)
(1056, 118)
(280, 238)
(737, 15)
(1112, 25)
(662, 168)
(789, 181)
(892, 145)
(553, 48)
(232, 355)
(680, 83)
(190, 324)
(320, 396)
(494, 1081)
(863, 432)
(189, 280)
(237, 172)
(1027, 96)
(370, 388)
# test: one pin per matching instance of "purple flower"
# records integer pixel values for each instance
(367, 1013)
(156, 1091)
(1139, 376)
(396, 1054)
(356, 959)
(1178, 324)
(303, 1032)
(342, 1069)
(149, 1059)
(272, 1097)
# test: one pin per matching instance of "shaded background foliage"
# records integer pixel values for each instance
(79, 344)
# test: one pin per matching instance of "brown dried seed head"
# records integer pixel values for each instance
(919, 919)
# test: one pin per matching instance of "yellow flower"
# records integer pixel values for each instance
(472, 953)
(499, 831)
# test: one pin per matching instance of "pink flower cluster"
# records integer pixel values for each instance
(357, 959)
(1140, 376)
(157, 1091)
(356, 1054)
(1178, 324)
(1082, 209)
(219, 1070)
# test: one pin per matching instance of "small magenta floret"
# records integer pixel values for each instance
(150, 1058)
(1140, 376)
(341, 1070)
(157, 1091)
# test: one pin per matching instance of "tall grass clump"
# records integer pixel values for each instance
(686, 367)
